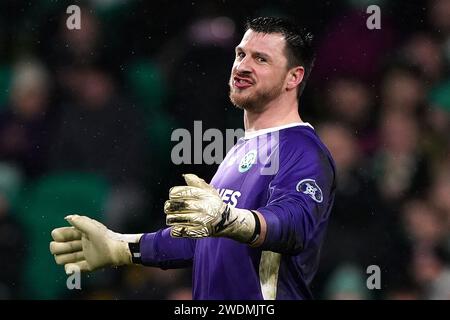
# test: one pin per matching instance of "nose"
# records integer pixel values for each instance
(244, 66)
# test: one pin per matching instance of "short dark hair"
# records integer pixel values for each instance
(299, 47)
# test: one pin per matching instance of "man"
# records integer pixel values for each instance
(255, 232)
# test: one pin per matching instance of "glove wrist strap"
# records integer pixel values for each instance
(135, 249)
(257, 231)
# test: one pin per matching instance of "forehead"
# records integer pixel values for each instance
(269, 43)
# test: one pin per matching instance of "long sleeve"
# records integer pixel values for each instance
(300, 198)
(159, 249)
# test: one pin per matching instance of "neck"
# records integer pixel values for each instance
(275, 113)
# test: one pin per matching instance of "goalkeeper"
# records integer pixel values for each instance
(255, 231)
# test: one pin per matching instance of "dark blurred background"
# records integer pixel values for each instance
(86, 118)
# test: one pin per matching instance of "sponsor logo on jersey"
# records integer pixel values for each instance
(247, 161)
(229, 196)
(310, 188)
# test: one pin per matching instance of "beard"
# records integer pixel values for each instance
(254, 100)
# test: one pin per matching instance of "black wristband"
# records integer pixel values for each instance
(257, 231)
(135, 249)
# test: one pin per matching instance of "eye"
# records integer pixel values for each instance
(260, 59)
(240, 55)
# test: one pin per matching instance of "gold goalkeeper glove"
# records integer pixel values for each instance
(197, 211)
(88, 245)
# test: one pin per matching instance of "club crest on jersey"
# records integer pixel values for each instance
(247, 161)
(310, 188)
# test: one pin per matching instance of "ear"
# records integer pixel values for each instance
(295, 77)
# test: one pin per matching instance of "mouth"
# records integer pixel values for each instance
(242, 83)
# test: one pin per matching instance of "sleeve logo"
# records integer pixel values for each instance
(310, 188)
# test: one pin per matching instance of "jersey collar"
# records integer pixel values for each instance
(252, 134)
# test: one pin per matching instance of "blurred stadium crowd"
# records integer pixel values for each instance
(86, 118)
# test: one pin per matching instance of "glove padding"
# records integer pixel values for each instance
(88, 245)
(197, 211)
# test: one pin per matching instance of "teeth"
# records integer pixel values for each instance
(241, 81)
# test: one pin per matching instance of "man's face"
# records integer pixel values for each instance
(259, 70)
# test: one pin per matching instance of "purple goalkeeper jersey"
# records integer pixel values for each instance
(286, 174)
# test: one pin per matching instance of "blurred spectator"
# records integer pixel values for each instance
(83, 46)
(199, 77)
(400, 169)
(353, 225)
(205, 62)
(438, 122)
(425, 52)
(402, 88)
(352, 188)
(26, 125)
(102, 132)
(438, 13)
(423, 225)
(360, 220)
(439, 195)
(349, 101)
(432, 272)
(426, 231)
(12, 252)
(347, 283)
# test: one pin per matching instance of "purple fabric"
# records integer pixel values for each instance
(159, 249)
(295, 200)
